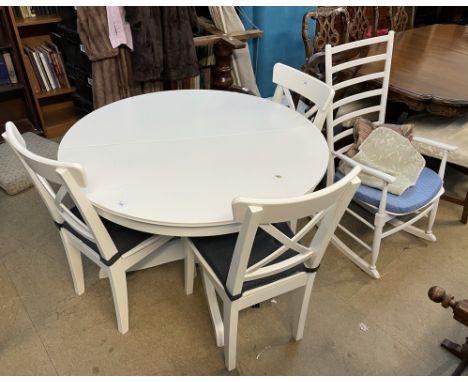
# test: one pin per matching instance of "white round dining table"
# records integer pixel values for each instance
(171, 162)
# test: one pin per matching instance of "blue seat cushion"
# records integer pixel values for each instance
(218, 252)
(425, 189)
(124, 238)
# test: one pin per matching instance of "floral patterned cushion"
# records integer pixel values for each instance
(390, 152)
(362, 128)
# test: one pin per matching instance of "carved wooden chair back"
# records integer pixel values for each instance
(359, 22)
(331, 27)
(398, 18)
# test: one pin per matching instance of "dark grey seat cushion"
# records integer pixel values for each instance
(218, 252)
(124, 238)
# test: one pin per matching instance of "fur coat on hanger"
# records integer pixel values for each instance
(111, 66)
(163, 42)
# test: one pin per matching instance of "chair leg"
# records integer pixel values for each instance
(118, 282)
(75, 263)
(189, 266)
(376, 245)
(302, 308)
(213, 306)
(464, 217)
(432, 216)
(230, 315)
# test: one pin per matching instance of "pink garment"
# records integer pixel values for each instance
(119, 29)
(380, 32)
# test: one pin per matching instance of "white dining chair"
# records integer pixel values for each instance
(319, 94)
(416, 202)
(266, 258)
(114, 248)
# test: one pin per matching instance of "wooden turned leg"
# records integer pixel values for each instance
(452, 347)
(460, 313)
(458, 351)
(222, 71)
(464, 218)
(462, 353)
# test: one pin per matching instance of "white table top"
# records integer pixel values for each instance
(172, 162)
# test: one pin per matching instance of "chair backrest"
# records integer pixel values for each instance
(382, 65)
(396, 18)
(331, 27)
(71, 178)
(317, 92)
(325, 207)
(359, 22)
(334, 26)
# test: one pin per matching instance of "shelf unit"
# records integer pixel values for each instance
(56, 112)
(16, 103)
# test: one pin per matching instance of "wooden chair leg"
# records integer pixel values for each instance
(75, 263)
(460, 313)
(460, 351)
(118, 282)
(231, 316)
(302, 308)
(213, 306)
(464, 217)
(432, 217)
(376, 245)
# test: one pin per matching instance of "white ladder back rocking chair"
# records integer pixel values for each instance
(267, 258)
(317, 92)
(113, 248)
(418, 201)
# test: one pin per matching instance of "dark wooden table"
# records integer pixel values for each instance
(429, 69)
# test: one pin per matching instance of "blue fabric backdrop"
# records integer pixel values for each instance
(281, 42)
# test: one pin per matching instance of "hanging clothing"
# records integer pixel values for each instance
(119, 29)
(163, 42)
(111, 67)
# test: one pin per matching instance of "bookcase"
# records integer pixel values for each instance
(55, 110)
(16, 103)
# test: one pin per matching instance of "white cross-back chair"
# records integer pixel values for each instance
(418, 201)
(112, 247)
(317, 92)
(266, 258)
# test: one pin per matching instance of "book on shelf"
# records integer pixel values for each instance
(47, 67)
(10, 67)
(35, 85)
(37, 63)
(25, 12)
(4, 77)
(29, 52)
(59, 63)
(46, 62)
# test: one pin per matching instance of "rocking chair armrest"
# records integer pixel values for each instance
(369, 170)
(439, 145)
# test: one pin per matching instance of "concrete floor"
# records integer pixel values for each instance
(48, 330)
